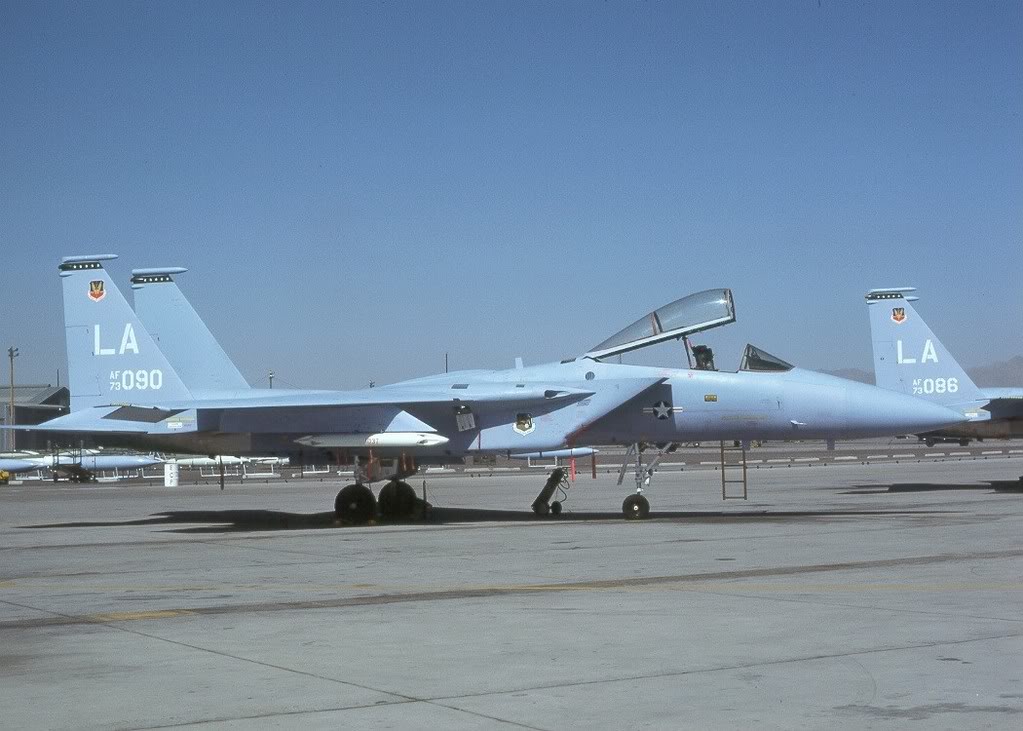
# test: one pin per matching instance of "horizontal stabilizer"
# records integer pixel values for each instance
(91, 420)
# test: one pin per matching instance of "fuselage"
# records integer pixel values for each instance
(663, 405)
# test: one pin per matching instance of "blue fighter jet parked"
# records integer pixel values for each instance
(125, 391)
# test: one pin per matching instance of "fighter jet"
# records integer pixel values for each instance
(908, 358)
(124, 390)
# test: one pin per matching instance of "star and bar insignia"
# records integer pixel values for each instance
(662, 410)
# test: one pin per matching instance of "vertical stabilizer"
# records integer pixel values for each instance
(111, 357)
(909, 358)
(181, 334)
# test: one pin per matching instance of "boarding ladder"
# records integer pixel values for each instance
(733, 471)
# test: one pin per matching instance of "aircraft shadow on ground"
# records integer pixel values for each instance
(231, 521)
(991, 486)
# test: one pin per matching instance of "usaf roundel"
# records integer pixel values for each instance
(661, 410)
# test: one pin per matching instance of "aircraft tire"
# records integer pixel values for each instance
(636, 507)
(397, 501)
(355, 504)
(541, 508)
(556, 507)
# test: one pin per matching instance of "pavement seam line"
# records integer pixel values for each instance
(311, 711)
(767, 597)
(726, 668)
(528, 589)
(402, 698)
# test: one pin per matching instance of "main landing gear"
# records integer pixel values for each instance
(355, 504)
(397, 500)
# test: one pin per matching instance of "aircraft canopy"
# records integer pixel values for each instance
(755, 359)
(691, 314)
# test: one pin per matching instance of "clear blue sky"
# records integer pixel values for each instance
(360, 187)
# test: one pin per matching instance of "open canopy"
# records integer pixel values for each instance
(691, 314)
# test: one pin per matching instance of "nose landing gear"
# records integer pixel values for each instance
(635, 506)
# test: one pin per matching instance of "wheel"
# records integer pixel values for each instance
(556, 507)
(355, 504)
(964, 442)
(929, 442)
(541, 508)
(636, 507)
(397, 500)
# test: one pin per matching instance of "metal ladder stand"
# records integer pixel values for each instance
(735, 466)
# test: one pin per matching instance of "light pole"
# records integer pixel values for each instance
(270, 375)
(12, 353)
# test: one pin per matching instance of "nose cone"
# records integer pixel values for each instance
(879, 412)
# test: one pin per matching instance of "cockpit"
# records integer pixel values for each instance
(682, 318)
(755, 359)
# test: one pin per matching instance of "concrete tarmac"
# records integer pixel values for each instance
(838, 596)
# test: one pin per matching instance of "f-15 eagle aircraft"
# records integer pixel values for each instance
(909, 358)
(125, 391)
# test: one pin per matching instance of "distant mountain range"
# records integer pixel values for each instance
(1001, 373)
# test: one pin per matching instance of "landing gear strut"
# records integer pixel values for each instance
(355, 504)
(637, 507)
(558, 480)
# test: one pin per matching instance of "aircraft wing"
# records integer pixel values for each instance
(319, 418)
(497, 394)
(370, 407)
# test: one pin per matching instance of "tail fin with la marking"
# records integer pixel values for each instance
(111, 357)
(907, 355)
(181, 334)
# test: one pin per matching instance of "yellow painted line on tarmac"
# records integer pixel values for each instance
(739, 587)
(135, 616)
(71, 587)
(6, 584)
